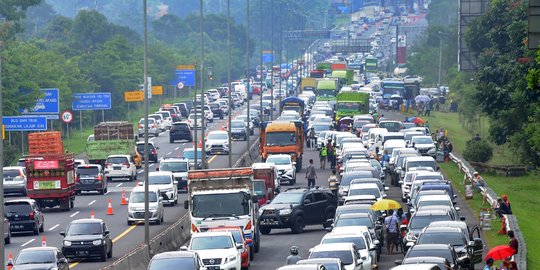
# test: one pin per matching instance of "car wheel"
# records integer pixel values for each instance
(328, 216)
(298, 226)
(109, 254)
(129, 223)
(265, 230)
(171, 141)
(78, 192)
(24, 192)
(156, 134)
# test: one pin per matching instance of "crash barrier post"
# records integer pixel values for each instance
(171, 239)
(490, 197)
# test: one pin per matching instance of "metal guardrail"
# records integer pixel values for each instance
(491, 196)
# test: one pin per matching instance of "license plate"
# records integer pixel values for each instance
(82, 252)
(47, 184)
(212, 268)
(117, 168)
(17, 226)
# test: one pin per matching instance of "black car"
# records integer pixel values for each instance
(239, 130)
(180, 131)
(40, 258)
(87, 238)
(152, 151)
(216, 110)
(24, 216)
(90, 178)
(184, 111)
(297, 207)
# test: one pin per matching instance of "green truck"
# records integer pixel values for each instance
(112, 138)
(351, 104)
(326, 66)
(346, 77)
(327, 89)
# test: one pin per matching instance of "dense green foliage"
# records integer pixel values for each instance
(478, 151)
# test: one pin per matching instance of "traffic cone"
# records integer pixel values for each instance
(123, 202)
(109, 208)
(200, 144)
(92, 214)
(43, 241)
(10, 261)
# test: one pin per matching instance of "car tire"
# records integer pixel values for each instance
(109, 254)
(298, 226)
(265, 230)
(78, 192)
(156, 134)
(103, 256)
(24, 193)
(129, 223)
(171, 141)
(328, 216)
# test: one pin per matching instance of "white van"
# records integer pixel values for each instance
(390, 145)
(423, 161)
(373, 133)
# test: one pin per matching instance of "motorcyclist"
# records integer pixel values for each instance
(293, 258)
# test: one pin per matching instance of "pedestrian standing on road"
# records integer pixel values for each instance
(489, 264)
(323, 155)
(429, 106)
(513, 241)
(294, 257)
(391, 225)
(329, 151)
(310, 174)
(333, 183)
(310, 136)
(333, 157)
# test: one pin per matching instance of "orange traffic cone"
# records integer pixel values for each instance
(10, 261)
(200, 143)
(109, 208)
(92, 214)
(124, 201)
(43, 241)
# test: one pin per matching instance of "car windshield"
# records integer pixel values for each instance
(138, 197)
(420, 222)
(173, 263)
(90, 171)
(238, 124)
(259, 187)
(220, 205)
(17, 207)
(35, 257)
(280, 138)
(159, 179)
(117, 160)
(150, 120)
(288, 198)
(359, 242)
(190, 154)
(447, 238)
(217, 136)
(170, 166)
(344, 255)
(210, 242)
(11, 173)
(90, 228)
(365, 191)
(390, 126)
(428, 177)
(422, 140)
(434, 202)
(278, 160)
(350, 221)
(319, 128)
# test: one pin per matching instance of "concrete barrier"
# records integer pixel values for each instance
(491, 197)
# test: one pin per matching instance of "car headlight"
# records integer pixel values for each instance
(410, 237)
(96, 242)
(261, 211)
(67, 243)
(285, 212)
(230, 259)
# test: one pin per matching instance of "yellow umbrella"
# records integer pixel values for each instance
(385, 204)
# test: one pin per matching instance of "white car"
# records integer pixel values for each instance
(424, 145)
(166, 184)
(366, 189)
(153, 127)
(120, 167)
(167, 119)
(191, 121)
(15, 180)
(217, 142)
(179, 168)
(136, 205)
(218, 250)
(361, 241)
(286, 167)
(159, 120)
(346, 252)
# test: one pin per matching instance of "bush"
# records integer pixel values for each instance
(478, 151)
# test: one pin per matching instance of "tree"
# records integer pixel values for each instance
(14, 11)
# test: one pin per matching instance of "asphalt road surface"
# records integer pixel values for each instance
(125, 238)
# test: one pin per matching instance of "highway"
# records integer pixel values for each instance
(125, 238)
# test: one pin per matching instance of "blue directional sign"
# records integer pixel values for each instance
(186, 76)
(91, 101)
(355, 65)
(49, 104)
(267, 57)
(25, 123)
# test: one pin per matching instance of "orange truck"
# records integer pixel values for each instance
(265, 182)
(283, 138)
(50, 171)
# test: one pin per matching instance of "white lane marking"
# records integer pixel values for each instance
(141, 171)
(54, 227)
(106, 193)
(177, 148)
(74, 214)
(151, 165)
(184, 144)
(92, 202)
(169, 153)
(119, 185)
(29, 241)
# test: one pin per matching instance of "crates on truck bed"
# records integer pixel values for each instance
(44, 143)
(117, 130)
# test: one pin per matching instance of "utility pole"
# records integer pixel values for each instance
(146, 101)
(440, 59)
(272, 49)
(247, 74)
(229, 79)
(262, 62)
(2, 246)
(203, 127)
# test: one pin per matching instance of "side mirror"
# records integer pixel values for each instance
(186, 204)
(471, 243)
(457, 208)
(462, 218)
(175, 183)
(398, 262)
(376, 242)
(63, 233)
(386, 188)
(106, 232)
(400, 182)
(183, 248)
(239, 246)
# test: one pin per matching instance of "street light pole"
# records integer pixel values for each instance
(2, 246)
(146, 101)
(272, 49)
(247, 71)
(262, 63)
(229, 78)
(203, 128)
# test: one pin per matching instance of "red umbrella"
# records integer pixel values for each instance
(500, 252)
(418, 120)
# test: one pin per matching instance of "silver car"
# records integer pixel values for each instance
(153, 127)
(15, 180)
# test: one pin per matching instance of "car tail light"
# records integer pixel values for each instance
(31, 215)
(21, 174)
(153, 125)
(100, 177)
(126, 164)
(140, 126)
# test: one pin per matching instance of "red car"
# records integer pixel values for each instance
(240, 238)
